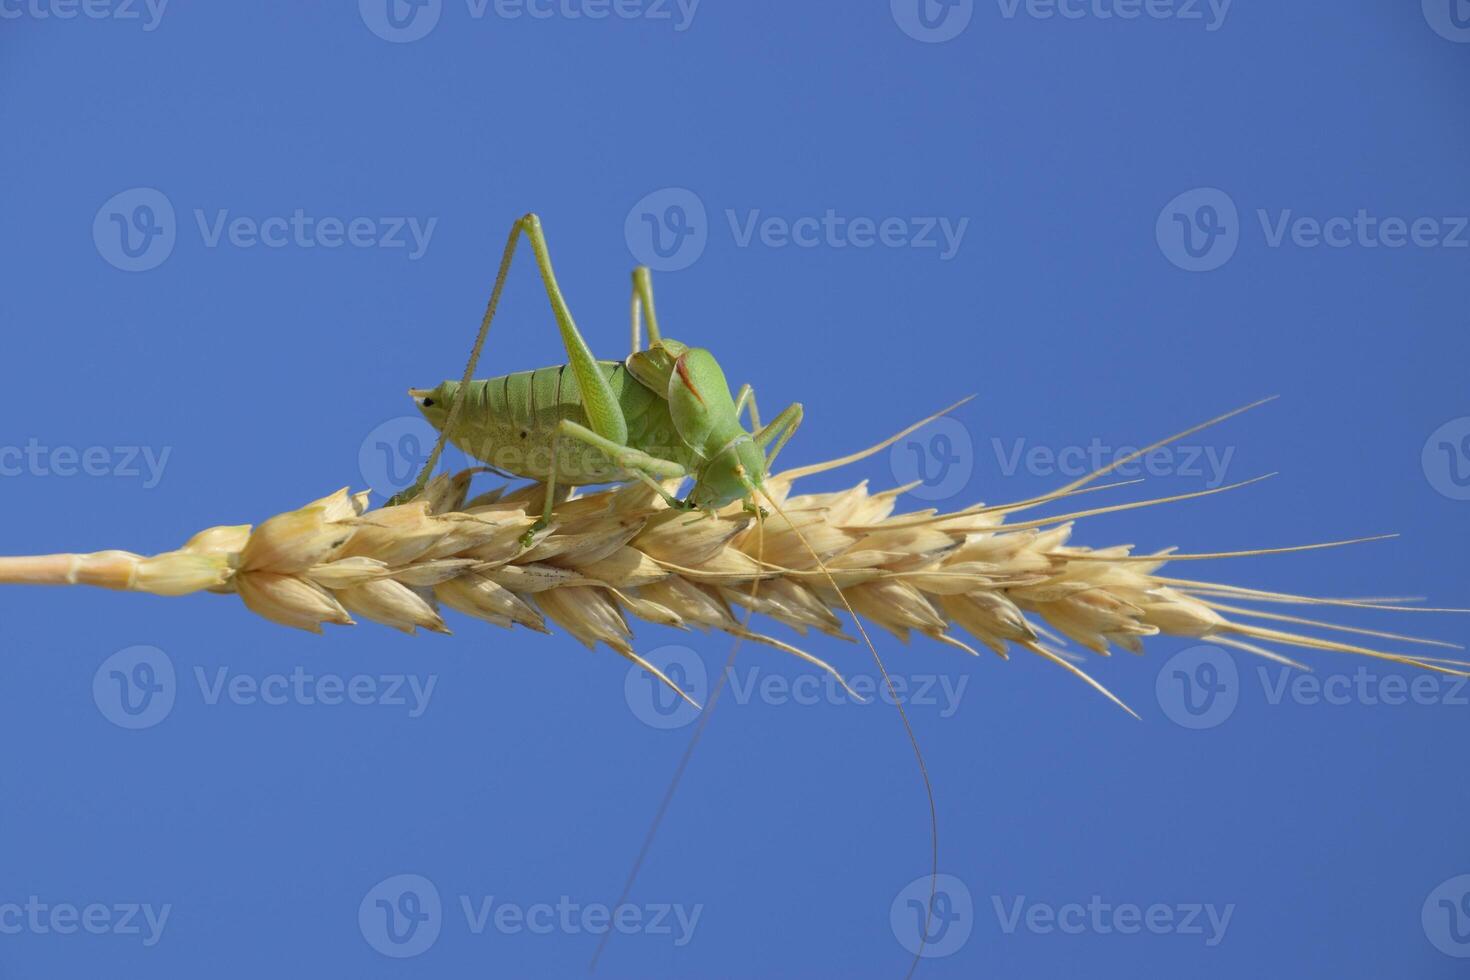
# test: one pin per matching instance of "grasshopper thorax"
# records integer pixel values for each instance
(705, 418)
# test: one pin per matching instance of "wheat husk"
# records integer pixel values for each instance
(966, 579)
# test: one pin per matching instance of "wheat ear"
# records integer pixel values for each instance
(618, 553)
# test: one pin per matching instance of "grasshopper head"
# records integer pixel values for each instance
(705, 417)
(433, 403)
(730, 475)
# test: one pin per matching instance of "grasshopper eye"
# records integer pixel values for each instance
(428, 403)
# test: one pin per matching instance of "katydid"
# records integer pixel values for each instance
(663, 413)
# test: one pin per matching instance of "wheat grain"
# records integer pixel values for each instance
(623, 553)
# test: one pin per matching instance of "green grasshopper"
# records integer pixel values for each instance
(663, 413)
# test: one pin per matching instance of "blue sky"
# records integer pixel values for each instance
(233, 235)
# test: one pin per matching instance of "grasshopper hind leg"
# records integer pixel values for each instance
(641, 305)
(649, 469)
(598, 400)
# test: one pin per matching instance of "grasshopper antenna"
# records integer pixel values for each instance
(907, 727)
(704, 716)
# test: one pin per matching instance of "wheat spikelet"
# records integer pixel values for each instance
(623, 553)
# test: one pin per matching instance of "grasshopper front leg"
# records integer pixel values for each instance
(781, 428)
(746, 399)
